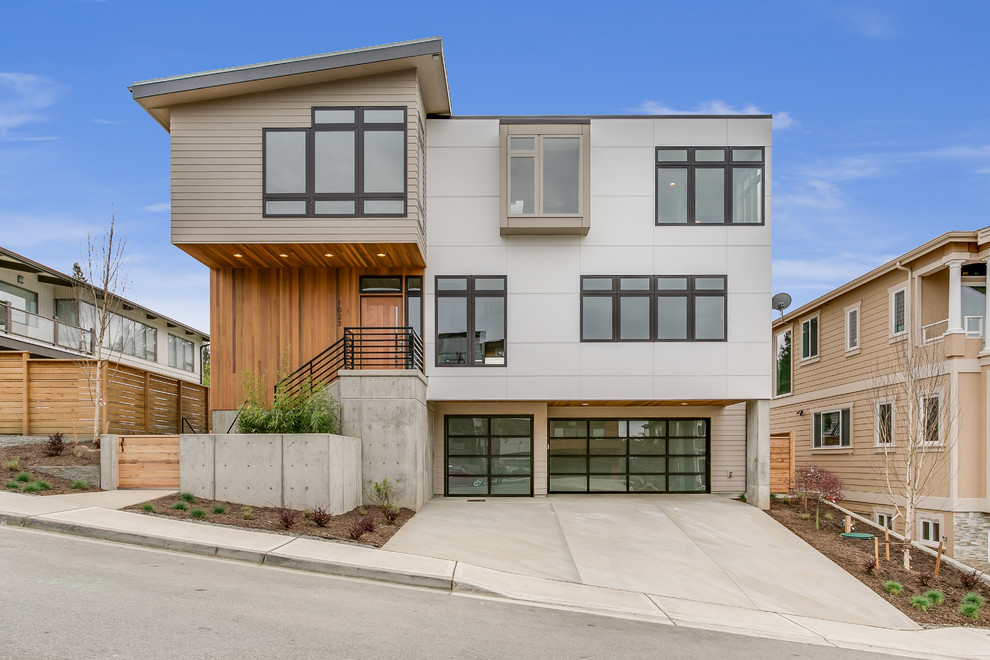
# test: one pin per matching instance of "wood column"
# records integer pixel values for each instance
(178, 406)
(147, 402)
(26, 395)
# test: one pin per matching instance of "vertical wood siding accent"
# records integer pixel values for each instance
(257, 313)
(217, 165)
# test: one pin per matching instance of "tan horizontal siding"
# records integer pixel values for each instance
(217, 163)
(728, 449)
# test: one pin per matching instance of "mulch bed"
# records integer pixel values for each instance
(850, 554)
(34, 454)
(269, 519)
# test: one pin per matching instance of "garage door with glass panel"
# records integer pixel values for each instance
(489, 455)
(628, 455)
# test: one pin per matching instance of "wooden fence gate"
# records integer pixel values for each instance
(148, 461)
(781, 462)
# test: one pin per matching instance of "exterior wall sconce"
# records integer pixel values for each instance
(800, 413)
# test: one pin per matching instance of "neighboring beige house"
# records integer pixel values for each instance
(830, 355)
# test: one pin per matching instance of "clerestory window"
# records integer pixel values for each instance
(351, 162)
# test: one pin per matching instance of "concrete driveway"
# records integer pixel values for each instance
(702, 548)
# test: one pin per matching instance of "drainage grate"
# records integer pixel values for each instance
(475, 500)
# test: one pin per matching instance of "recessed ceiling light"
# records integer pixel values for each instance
(284, 256)
(584, 404)
(381, 254)
(328, 255)
(673, 183)
(238, 255)
(683, 404)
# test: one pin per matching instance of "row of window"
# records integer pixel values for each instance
(351, 162)
(471, 323)
(832, 428)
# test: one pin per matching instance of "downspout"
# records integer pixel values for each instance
(909, 328)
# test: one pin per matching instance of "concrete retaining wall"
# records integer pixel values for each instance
(387, 409)
(298, 470)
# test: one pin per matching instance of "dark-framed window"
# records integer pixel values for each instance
(809, 338)
(414, 303)
(181, 353)
(470, 321)
(832, 429)
(351, 162)
(488, 455)
(653, 308)
(709, 185)
(629, 455)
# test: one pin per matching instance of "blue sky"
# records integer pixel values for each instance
(881, 138)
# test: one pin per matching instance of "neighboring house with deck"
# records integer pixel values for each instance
(834, 354)
(513, 305)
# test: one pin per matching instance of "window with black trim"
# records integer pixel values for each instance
(470, 321)
(414, 303)
(709, 185)
(653, 308)
(832, 429)
(350, 162)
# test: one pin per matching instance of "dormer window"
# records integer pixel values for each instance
(351, 162)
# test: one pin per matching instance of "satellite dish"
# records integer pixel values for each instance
(780, 302)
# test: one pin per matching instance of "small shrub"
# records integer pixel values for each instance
(920, 603)
(356, 529)
(381, 493)
(869, 564)
(818, 484)
(12, 484)
(310, 409)
(924, 578)
(55, 446)
(828, 515)
(76, 485)
(742, 498)
(363, 510)
(13, 465)
(187, 497)
(974, 599)
(935, 597)
(286, 517)
(219, 509)
(23, 477)
(773, 497)
(197, 513)
(969, 610)
(893, 587)
(247, 513)
(32, 488)
(320, 516)
(368, 523)
(805, 516)
(43, 485)
(179, 505)
(391, 514)
(148, 506)
(970, 580)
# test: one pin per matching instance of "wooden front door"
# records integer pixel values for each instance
(148, 461)
(380, 349)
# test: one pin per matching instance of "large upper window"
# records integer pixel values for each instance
(782, 358)
(470, 321)
(545, 171)
(898, 326)
(653, 308)
(350, 162)
(181, 354)
(709, 185)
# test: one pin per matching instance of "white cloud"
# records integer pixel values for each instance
(983, 170)
(822, 274)
(158, 208)
(107, 122)
(813, 193)
(864, 21)
(781, 120)
(23, 99)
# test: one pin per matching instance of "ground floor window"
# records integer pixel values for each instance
(488, 455)
(628, 455)
(931, 530)
(885, 520)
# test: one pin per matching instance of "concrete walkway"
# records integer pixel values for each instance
(574, 557)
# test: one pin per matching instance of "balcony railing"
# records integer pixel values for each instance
(51, 331)
(973, 325)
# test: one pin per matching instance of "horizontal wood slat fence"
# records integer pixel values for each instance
(148, 461)
(42, 396)
(781, 462)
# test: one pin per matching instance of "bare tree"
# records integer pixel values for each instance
(914, 426)
(98, 285)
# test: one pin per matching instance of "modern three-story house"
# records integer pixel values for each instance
(580, 302)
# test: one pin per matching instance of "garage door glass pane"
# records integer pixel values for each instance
(568, 429)
(647, 446)
(607, 464)
(690, 446)
(514, 466)
(469, 446)
(606, 483)
(686, 464)
(467, 425)
(511, 446)
(647, 483)
(608, 428)
(607, 446)
(687, 428)
(647, 464)
(569, 484)
(467, 485)
(467, 465)
(648, 429)
(568, 465)
(511, 426)
(690, 483)
(510, 486)
(565, 446)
